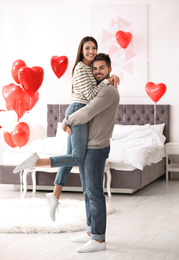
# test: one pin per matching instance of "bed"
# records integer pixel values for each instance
(125, 178)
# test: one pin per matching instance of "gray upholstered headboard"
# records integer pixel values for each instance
(126, 115)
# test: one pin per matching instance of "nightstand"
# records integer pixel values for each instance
(171, 149)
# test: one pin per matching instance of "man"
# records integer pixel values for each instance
(100, 113)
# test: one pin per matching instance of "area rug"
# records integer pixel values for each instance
(31, 216)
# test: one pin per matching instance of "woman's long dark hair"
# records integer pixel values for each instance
(79, 56)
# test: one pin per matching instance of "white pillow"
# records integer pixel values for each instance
(121, 131)
(158, 128)
(60, 134)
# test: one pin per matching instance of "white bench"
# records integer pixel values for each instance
(51, 170)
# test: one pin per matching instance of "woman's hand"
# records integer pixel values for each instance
(66, 129)
(115, 80)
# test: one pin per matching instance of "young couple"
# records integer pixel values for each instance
(94, 100)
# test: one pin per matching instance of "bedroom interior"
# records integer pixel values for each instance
(123, 180)
(144, 200)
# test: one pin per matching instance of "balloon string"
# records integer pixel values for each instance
(124, 114)
(155, 114)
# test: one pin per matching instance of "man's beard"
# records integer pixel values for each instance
(98, 81)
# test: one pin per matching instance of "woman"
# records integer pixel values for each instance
(84, 89)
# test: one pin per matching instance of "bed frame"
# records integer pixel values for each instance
(126, 181)
(122, 181)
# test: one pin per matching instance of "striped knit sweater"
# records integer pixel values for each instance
(85, 87)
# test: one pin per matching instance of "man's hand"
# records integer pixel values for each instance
(115, 80)
(66, 129)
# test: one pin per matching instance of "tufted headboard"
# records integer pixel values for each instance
(126, 115)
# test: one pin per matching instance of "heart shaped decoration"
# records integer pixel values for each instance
(21, 134)
(155, 91)
(59, 65)
(31, 78)
(20, 110)
(12, 94)
(123, 38)
(28, 101)
(8, 139)
(17, 64)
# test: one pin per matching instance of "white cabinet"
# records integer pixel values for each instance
(171, 149)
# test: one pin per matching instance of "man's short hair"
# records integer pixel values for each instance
(103, 56)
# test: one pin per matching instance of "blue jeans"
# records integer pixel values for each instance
(76, 149)
(92, 174)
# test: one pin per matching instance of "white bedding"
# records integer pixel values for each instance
(131, 147)
(46, 147)
(136, 147)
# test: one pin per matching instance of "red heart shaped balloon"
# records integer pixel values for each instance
(123, 38)
(31, 78)
(155, 91)
(12, 94)
(59, 65)
(28, 101)
(19, 109)
(8, 139)
(21, 134)
(17, 64)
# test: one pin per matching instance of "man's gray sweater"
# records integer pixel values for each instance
(100, 113)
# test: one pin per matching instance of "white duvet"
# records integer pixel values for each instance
(50, 146)
(131, 147)
(136, 147)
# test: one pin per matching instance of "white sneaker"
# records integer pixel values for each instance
(52, 205)
(28, 163)
(91, 246)
(81, 239)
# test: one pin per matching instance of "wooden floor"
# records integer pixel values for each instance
(144, 227)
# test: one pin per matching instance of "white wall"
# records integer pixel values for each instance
(36, 30)
(164, 54)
